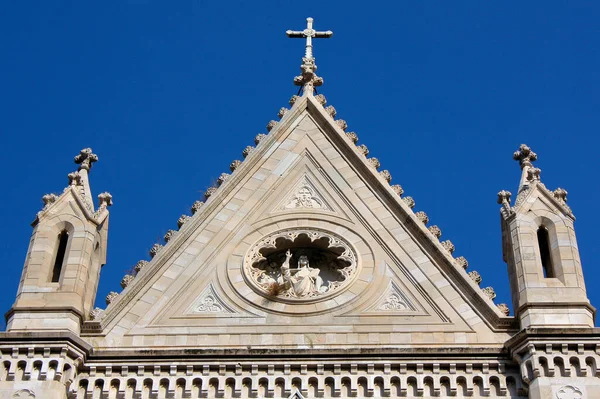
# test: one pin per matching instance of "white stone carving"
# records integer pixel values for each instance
(462, 261)
(260, 137)
(398, 189)
(281, 113)
(309, 78)
(435, 230)
(247, 151)
(409, 201)
(169, 235)
(96, 313)
(23, 394)
(305, 281)
(352, 136)
(110, 298)
(569, 392)
(182, 219)
(127, 279)
(304, 195)
(422, 216)
(321, 99)
(234, 165)
(300, 264)
(209, 302)
(448, 246)
(331, 111)
(156, 248)
(525, 156)
(387, 176)
(196, 206)
(140, 265)
(393, 300)
(271, 125)
(86, 158)
(210, 191)
(342, 124)
(503, 308)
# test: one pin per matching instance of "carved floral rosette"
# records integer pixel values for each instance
(331, 260)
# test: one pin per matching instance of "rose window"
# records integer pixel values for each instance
(300, 264)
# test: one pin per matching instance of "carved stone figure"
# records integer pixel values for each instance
(393, 302)
(304, 198)
(209, 305)
(305, 280)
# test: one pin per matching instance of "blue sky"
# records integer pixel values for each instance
(169, 93)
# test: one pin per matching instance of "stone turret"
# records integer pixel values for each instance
(541, 251)
(66, 252)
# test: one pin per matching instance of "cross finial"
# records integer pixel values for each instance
(525, 156)
(85, 159)
(309, 77)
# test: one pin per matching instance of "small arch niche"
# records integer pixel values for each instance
(300, 264)
(62, 241)
(543, 237)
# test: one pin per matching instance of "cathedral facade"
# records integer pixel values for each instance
(303, 274)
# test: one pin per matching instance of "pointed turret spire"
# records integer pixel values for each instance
(308, 79)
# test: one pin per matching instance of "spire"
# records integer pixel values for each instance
(308, 79)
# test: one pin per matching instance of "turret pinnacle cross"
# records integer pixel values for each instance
(525, 156)
(86, 158)
(308, 78)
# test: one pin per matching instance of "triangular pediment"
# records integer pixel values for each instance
(372, 267)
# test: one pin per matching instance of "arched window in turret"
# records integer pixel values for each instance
(544, 245)
(63, 240)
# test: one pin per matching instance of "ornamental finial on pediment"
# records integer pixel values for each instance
(105, 200)
(85, 159)
(533, 174)
(525, 156)
(308, 79)
(74, 179)
(561, 195)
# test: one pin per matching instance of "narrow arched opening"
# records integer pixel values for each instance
(545, 253)
(63, 240)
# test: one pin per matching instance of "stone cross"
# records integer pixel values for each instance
(525, 156)
(308, 33)
(86, 158)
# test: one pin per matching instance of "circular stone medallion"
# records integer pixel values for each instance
(300, 265)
